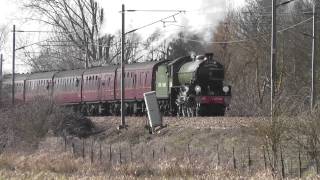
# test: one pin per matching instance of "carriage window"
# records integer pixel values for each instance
(145, 80)
(140, 79)
(77, 82)
(48, 85)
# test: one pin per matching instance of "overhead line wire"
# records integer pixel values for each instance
(245, 40)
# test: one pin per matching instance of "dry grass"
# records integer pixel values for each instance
(52, 161)
(186, 149)
(43, 165)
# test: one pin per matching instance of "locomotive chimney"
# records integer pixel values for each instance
(209, 56)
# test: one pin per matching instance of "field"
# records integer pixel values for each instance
(188, 148)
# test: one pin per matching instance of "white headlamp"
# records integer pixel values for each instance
(197, 89)
(226, 89)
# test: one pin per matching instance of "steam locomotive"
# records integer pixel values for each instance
(187, 86)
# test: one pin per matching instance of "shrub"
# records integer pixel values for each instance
(25, 125)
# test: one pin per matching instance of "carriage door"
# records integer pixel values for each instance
(99, 88)
(103, 86)
(134, 84)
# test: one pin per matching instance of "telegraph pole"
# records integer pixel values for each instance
(313, 62)
(1, 79)
(273, 55)
(123, 122)
(273, 75)
(13, 62)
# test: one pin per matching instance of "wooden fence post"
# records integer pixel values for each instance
(234, 159)
(317, 162)
(142, 157)
(164, 152)
(92, 151)
(189, 153)
(131, 154)
(110, 153)
(65, 143)
(120, 155)
(100, 152)
(282, 164)
(73, 149)
(300, 168)
(218, 156)
(83, 150)
(291, 166)
(264, 158)
(249, 160)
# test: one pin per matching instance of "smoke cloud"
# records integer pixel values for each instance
(200, 16)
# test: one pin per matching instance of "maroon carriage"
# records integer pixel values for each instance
(98, 84)
(67, 87)
(39, 85)
(19, 87)
(138, 80)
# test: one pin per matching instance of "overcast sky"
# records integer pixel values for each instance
(200, 14)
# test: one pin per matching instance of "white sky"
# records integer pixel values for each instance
(200, 14)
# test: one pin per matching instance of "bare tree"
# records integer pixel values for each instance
(3, 35)
(77, 24)
(247, 60)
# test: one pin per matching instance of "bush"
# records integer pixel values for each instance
(25, 125)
